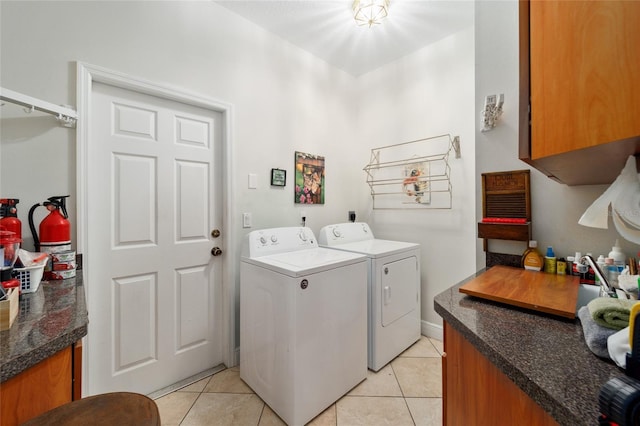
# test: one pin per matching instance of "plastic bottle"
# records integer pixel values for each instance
(612, 272)
(601, 262)
(602, 265)
(570, 261)
(531, 259)
(576, 262)
(561, 266)
(550, 261)
(618, 256)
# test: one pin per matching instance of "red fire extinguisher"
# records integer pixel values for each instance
(9, 216)
(55, 229)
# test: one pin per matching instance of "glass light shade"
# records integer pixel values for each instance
(370, 12)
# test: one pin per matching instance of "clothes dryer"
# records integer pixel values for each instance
(303, 321)
(393, 288)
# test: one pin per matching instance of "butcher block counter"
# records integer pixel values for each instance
(506, 364)
(41, 354)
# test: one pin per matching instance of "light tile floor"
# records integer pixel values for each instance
(407, 391)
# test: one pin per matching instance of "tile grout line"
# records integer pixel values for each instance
(337, 421)
(189, 410)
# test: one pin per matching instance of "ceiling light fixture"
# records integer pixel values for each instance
(370, 12)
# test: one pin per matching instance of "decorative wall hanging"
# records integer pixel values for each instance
(278, 177)
(309, 179)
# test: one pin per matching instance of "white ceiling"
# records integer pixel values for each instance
(326, 28)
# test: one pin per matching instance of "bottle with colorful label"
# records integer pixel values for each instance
(550, 261)
(531, 259)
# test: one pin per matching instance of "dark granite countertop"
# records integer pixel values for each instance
(51, 319)
(545, 356)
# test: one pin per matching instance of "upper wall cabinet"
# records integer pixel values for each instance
(579, 88)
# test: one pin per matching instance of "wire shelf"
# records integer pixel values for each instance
(412, 175)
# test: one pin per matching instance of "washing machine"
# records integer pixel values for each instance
(393, 288)
(303, 321)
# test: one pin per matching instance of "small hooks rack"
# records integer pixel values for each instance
(413, 175)
(65, 115)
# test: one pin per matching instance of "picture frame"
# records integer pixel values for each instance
(278, 177)
(309, 178)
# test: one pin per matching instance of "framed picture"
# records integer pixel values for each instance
(278, 177)
(309, 179)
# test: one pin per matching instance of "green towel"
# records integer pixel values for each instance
(611, 312)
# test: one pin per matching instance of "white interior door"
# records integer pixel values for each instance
(154, 288)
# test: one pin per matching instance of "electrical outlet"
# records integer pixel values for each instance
(352, 216)
(303, 217)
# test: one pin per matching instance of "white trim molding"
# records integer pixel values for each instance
(88, 74)
(435, 331)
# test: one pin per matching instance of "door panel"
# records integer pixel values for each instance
(192, 307)
(134, 320)
(192, 185)
(399, 291)
(191, 131)
(134, 207)
(153, 201)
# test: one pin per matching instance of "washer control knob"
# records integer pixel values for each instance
(263, 240)
(337, 232)
(274, 239)
(303, 236)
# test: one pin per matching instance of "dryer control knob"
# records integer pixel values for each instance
(337, 232)
(263, 240)
(303, 236)
(274, 239)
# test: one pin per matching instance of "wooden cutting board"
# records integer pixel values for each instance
(539, 291)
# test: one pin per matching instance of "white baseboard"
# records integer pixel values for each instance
(429, 329)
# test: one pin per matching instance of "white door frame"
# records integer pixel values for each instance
(86, 75)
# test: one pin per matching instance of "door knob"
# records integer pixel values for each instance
(216, 251)
(215, 233)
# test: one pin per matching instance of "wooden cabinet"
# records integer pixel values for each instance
(476, 392)
(579, 77)
(49, 384)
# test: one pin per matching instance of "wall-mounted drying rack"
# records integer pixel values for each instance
(413, 175)
(65, 115)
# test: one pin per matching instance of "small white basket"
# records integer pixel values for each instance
(29, 277)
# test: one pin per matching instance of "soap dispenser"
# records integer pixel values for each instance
(618, 256)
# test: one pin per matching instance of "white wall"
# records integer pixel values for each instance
(556, 208)
(428, 93)
(284, 100)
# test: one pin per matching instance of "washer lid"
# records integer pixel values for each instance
(304, 262)
(377, 248)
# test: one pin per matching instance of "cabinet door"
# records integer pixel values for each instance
(585, 89)
(476, 392)
(38, 389)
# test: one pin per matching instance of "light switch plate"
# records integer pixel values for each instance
(253, 181)
(246, 220)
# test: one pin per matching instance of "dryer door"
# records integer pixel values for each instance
(399, 289)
